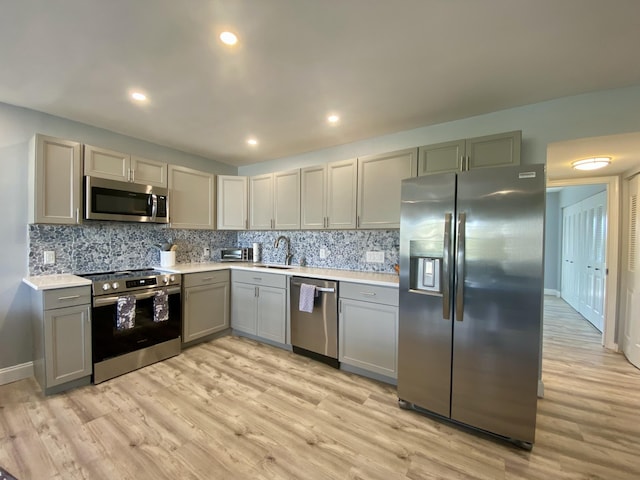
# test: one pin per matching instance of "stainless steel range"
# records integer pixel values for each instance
(136, 320)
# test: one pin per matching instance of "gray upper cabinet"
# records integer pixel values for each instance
(379, 185)
(274, 201)
(313, 197)
(443, 157)
(112, 165)
(341, 194)
(328, 195)
(191, 198)
(480, 152)
(232, 203)
(54, 181)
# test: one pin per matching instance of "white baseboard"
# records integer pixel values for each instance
(15, 373)
(550, 291)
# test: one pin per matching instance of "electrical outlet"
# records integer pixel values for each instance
(375, 257)
(49, 257)
(323, 253)
(207, 252)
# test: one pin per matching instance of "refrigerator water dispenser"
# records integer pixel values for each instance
(425, 273)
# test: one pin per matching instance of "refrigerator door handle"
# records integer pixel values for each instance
(460, 268)
(446, 262)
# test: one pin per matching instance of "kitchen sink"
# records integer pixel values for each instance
(277, 267)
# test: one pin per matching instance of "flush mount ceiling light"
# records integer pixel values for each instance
(138, 96)
(252, 141)
(228, 38)
(333, 118)
(591, 163)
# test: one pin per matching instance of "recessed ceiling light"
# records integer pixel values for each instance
(333, 118)
(228, 38)
(138, 96)
(591, 163)
(252, 141)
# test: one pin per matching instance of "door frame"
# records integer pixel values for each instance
(613, 249)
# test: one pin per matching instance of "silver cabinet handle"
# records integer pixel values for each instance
(206, 279)
(446, 258)
(368, 294)
(460, 274)
(257, 278)
(70, 297)
(77, 215)
(133, 175)
(246, 224)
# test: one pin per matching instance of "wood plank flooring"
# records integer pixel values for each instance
(235, 409)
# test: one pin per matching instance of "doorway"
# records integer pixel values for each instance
(608, 268)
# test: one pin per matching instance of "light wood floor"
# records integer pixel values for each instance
(236, 409)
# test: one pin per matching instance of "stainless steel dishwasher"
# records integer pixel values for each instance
(315, 334)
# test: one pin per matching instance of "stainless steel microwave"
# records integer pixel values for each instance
(124, 202)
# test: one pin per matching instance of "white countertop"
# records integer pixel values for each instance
(62, 280)
(47, 282)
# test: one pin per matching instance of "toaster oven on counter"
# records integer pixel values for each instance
(236, 254)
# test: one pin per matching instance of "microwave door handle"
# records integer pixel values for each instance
(154, 206)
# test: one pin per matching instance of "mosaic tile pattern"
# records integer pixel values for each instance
(346, 249)
(106, 246)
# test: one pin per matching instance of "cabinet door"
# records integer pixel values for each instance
(494, 150)
(369, 336)
(286, 198)
(272, 312)
(243, 307)
(191, 198)
(67, 333)
(313, 195)
(148, 172)
(441, 158)
(103, 163)
(341, 194)
(261, 202)
(206, 311)
(232, 202)
(379, 185)
(54, 181)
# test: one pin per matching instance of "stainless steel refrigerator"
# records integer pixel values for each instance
(471, 290)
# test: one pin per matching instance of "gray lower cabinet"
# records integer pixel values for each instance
(368, 328)
(259, 304)
(62, 338)
(205, 309)
(459, 155)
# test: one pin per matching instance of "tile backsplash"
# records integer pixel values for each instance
(105, 246)
(345, 249)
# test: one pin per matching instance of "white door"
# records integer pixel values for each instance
(631, 341)
(595, 253)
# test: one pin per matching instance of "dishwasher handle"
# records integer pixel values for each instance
(318, 289)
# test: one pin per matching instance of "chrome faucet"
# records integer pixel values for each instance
(287, 260)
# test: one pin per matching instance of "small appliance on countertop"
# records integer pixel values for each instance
(238, 254)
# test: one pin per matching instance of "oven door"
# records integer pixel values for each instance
(109, 341)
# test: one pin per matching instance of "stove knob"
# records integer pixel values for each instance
(115, 285)
(106, 286)
(173, 278)
(165, 279)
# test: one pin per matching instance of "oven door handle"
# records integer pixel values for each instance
(102, 301)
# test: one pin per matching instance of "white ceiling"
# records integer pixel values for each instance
(383, 65)
(623, 149)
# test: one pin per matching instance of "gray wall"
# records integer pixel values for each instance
(17, 126)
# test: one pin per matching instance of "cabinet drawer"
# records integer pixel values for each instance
(205, 278)
(259, 278)
(369, 293)
(67, 297)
